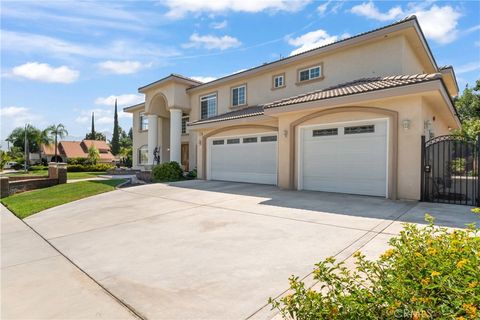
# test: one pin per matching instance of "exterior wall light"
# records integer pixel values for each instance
(406, 124)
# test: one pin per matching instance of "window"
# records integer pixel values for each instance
(278, 81)
(143, 121)
(208, 105)
(310, 73)
(143, 155)
(268, 138)
(325, 132)
(360, 129)
(250, 140)
(185, 119)
(218, 142)
(239, 96)
(233, 141)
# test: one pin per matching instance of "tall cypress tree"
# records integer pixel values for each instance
(93, 126)
(115, 142)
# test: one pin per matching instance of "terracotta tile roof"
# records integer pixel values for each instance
(99, 144)
(79, 149)
(49, 150)
(242, 113)
(356, 87)
(349, 88)
(72, 149)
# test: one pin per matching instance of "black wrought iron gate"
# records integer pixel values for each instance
(450, 169)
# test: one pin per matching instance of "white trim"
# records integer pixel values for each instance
(300, 131)
(240, 136)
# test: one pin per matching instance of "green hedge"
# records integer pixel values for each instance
(168, 171)
(79, 160)
(88, 167)
(428, 273)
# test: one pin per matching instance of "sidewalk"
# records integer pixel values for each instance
(37, 282)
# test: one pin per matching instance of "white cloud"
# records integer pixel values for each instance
(468, 67)
(203, 78)
(180, 8)
(219, 25)
(369, 10)
(30, 43)
(123, 67)
(45, 73)
(438, 23)
(123, 100)
(14, 116)
(323, 8)
(212, 42)
(310, 41)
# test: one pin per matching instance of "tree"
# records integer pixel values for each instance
(44, 138)
(468, 104)
(115, 143)
(17, 138)
(57, 131)
(468, 107)
(98, 136)
(93, 154)
(4, 158)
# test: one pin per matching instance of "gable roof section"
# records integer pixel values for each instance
(410, 21)
(98, 144)
(355, 87)
(359, 86)
(237, 114)
(171, 77)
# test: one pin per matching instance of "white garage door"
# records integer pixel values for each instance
(347, 158)
(251, 158)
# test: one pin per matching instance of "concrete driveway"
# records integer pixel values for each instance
(219, 250)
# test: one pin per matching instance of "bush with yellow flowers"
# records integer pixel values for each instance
(428, 273)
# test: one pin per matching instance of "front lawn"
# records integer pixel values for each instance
(28, 203)
(70, 175)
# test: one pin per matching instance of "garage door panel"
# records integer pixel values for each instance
(348, 163)
(254, 162)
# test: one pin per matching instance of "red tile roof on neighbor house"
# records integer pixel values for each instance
(79, 149)
(349, 88)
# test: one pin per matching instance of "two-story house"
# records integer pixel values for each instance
(345, 117)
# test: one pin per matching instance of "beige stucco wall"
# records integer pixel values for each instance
(380, 58)
(410, 108)
(139, 137)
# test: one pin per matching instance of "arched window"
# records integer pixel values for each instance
(143, 154)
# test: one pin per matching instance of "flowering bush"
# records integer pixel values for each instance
(428, 273)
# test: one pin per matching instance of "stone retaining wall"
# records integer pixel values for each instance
(57, 174)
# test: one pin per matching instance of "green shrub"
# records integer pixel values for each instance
(458, 165)
(89, 167)
(428, 273)
(168, 171)
(192, 174)
(79, 160)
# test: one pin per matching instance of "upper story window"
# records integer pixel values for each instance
(208, 105)
(185, 119)
(143, 121)
(279, 81)
(239, 96)
(310, 73)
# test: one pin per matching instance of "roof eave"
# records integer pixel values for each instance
(170, 78)
(134, 107)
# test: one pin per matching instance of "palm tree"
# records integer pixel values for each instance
(93, 154)
(43, 138)
(57, 131)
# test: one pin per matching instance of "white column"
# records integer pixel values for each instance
(175, 135)
(152, 136)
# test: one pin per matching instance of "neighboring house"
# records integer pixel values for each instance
(345, 117)
(77, 149)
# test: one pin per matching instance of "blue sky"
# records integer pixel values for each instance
(61, 60)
